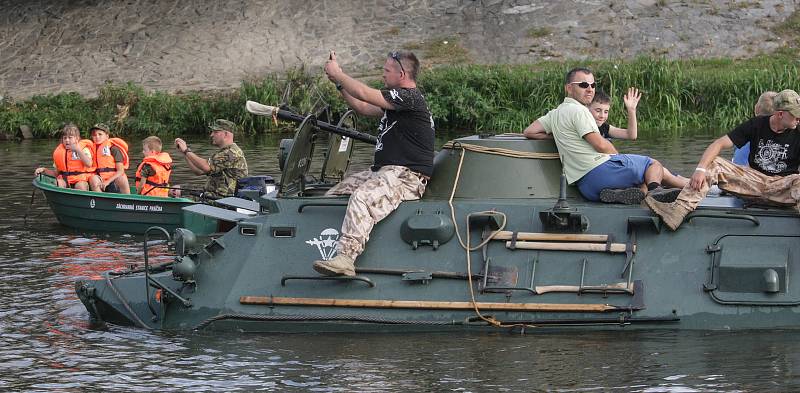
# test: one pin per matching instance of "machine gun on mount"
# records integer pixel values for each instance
(296, 154)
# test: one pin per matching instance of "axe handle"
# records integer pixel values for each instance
(598, 247)
(550, 237)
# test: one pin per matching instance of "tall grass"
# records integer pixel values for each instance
(679, 97)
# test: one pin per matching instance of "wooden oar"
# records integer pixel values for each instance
(598, 247)
(425, 305)
(551, 237)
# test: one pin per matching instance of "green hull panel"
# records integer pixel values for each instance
(108, 212)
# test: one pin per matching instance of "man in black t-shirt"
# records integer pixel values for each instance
(774, 160)
(403, 160)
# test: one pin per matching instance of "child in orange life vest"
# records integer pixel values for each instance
(111, 161)
(152, 175)
(72, 160)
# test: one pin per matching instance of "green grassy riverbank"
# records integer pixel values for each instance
(679, 97)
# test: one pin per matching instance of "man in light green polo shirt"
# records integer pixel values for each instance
(591, 161)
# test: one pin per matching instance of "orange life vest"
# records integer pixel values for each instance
(104, 161)
(154, 185)
(69, 166)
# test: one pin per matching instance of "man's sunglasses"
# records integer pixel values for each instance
(584, 85)
(396, 55)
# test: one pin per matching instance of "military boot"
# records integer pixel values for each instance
(665, 195)
(340, 265)
(671, 214)
(625, 196)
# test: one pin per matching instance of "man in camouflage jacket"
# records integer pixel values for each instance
(224, 168)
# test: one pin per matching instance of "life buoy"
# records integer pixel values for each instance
(70, 166)
(104, 161)
(155, 184)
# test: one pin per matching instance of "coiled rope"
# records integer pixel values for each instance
(464, 147)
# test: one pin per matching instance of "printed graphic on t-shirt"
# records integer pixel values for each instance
(383, 128)
(106, 151)
(771, 156)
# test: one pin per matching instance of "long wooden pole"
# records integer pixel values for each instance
(598, 247)
(424, 305)
(551, 237)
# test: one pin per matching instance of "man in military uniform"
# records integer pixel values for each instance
(224, 168)
(403, 160)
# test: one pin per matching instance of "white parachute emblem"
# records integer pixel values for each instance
(326, 243)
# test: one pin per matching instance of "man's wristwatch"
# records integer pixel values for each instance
(339, 86)
(187, 150)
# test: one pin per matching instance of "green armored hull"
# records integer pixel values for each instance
(539, 256)
(129, 213)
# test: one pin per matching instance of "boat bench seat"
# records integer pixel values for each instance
(216, 212)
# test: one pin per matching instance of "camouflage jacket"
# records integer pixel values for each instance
(227, 166)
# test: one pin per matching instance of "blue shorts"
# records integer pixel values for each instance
(741, 156)
(620, 171)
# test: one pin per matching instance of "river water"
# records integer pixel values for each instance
(48, 344)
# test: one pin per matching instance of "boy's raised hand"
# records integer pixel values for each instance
(631, 98)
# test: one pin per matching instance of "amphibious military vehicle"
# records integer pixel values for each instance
(498, 241)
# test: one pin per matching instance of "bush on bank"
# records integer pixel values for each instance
(678, 96)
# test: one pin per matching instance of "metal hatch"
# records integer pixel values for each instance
(754, 270)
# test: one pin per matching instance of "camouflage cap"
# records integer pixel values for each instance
(223, 125)
(788, 101)
(99, 126)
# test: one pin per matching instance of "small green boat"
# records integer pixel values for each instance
(128, 213)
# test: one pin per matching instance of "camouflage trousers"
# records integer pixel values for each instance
(745, 182)
(373, 195)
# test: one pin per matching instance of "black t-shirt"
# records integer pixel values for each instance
(406, 134)
(771, 153)
(604, 129)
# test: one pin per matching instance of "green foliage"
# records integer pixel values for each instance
(678, 96)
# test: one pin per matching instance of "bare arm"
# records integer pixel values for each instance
(600, 144)
(712, 151)
(536, 131)
(196, 164)
(362, 98)
(120, 171)
(46, 171)
(631, 100)
(361, 107)
(83, 154)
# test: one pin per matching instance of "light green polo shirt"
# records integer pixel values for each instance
(569, 123)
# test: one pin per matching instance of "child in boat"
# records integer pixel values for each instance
(764, 107)
(72, 160)
(111, 161)
(601, 106)
(152, 175)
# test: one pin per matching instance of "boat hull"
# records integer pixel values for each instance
(128, 213)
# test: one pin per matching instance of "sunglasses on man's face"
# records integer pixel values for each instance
(396, 55)
(584, 85)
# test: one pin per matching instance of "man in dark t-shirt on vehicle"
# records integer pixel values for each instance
(403, 160)
(774, 160)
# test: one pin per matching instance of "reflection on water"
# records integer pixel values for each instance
(48, 344)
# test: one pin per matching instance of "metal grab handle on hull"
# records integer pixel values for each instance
(320, 204)
(745, 217)
(328, 278)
